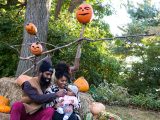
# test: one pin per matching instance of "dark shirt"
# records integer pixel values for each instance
(33, 94)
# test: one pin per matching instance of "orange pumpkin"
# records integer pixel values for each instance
(31, 28)
(82, 84)
(96, 108)
(4, 100)
(36, 48)
(5, 109)
(84, 13)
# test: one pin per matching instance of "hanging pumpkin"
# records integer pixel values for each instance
(36, 48)
(96, 108)
(84, 13)
(4, 100)
(82, 84)
(5, 109)
(31, 29)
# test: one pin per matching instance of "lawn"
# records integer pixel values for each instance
(133, 114)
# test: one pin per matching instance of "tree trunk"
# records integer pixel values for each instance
(58, 8)
(37, 12)
(74, 4)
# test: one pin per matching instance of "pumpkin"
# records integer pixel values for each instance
(4, 100)
(96, 108)
(84, 13)
(36, 48)
(82, 84)
(5, 109)
(31, 29)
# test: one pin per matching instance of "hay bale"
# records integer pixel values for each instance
(4, 116)
(86, 100)
(10, 89)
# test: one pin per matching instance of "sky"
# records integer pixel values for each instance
(120, 17)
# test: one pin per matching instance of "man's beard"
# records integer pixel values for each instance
(44, 82)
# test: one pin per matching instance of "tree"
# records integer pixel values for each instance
(37, 12)
(143, 16)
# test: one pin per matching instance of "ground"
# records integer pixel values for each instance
(133, 114)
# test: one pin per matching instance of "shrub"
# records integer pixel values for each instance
(111, 94)
(149, 101)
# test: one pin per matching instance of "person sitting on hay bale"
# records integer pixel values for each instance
(61, 78)
(30, 107)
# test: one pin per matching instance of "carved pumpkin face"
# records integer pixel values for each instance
(82, 84)
(36, 48)
(31, 29)
(84, 13)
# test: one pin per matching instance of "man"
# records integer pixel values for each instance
(30, 107)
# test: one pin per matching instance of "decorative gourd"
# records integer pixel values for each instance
(31, 29)
(96, 108)
(5, 109)
(84, 13)
(82, 84)
(36, 48)
(4, 100)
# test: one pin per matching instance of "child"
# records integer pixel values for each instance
(65, 105)
(68, 102)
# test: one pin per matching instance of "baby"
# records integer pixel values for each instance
(66, 104)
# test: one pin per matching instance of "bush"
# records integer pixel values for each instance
(111, 94)
(148, 101)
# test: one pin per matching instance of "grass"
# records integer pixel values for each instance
(133, 114)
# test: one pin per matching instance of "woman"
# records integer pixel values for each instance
(30, 107)
(61, 79)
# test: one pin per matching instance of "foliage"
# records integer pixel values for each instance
(145, 75)
(148, 101)
(145, 12)
(96, 62)
(63, 31)
(11, 34)
(111, 94)
(143, 16)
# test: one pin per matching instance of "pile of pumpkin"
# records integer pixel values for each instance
(4, 105)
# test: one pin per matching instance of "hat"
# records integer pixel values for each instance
(73, 88)
(45, 66)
